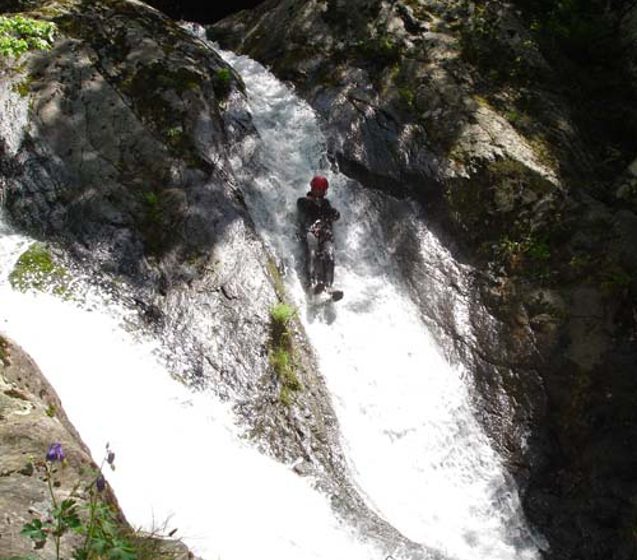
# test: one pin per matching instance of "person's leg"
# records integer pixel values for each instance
(328, 263)
(312, 248)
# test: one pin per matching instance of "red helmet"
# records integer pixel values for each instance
(319, 185)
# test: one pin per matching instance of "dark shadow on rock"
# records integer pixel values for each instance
(125, 157)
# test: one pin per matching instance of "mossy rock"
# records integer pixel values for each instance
(37, 270)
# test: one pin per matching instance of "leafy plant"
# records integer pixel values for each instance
(19, 34)
(96, 520)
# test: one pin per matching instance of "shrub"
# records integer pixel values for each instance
(19, 34)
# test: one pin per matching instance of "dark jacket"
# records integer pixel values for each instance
(314, 208)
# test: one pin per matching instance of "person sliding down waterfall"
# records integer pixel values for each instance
(316, 218)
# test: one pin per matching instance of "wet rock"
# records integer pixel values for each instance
(453, 105)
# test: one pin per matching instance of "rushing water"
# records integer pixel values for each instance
(179, 459)
(413, 445)
(414, 448)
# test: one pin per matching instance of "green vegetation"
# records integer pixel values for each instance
(281, 351)
(24, 87)
(559, 42)
(482, 44)
(152, 222)
(529, 256)
(281, 314)
(380, 51)
(577, 25)
(87, 511)
(19, 34)
(222, 81)
(37, 270)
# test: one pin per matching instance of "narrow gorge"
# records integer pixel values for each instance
(471, 397)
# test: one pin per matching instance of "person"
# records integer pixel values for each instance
(316, 218)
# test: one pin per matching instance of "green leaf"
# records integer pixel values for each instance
(67, 514)
(122, 551)
(36, 530)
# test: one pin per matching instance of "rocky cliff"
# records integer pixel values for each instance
(487, 115)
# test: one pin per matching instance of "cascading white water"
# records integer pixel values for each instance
(413, 445)
(179, 458)
(414, 448)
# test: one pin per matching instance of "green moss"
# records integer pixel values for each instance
(23, 88)
(380, 51)
(37, 270)
(281, 353)
(222, 82)
(482, 101)
(504, 170)
(543, 151)
(407, 95)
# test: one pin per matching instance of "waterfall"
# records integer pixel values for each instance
(413, 446)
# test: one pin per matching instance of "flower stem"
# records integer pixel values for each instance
(58, 528)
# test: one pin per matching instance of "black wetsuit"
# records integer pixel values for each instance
(313, 208)
(318, 242)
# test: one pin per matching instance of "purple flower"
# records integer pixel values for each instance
(55, 453)
(110, 458)
(100, 483)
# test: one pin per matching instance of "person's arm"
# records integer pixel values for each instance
(303, 207)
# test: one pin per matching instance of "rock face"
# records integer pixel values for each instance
(461, 106)
(118, 154)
